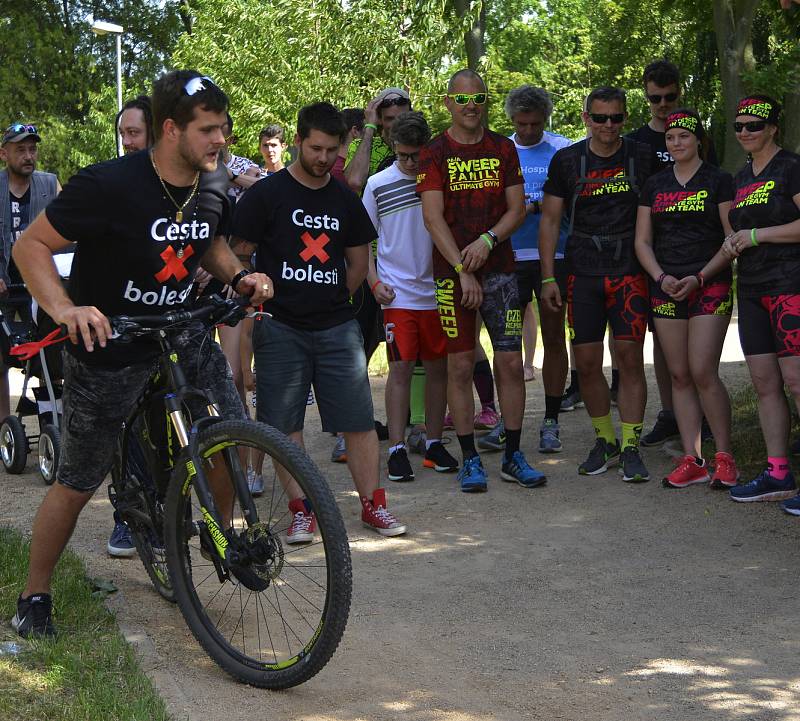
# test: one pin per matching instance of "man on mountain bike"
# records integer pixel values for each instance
(136, 254)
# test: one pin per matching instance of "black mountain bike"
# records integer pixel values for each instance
(269, 613)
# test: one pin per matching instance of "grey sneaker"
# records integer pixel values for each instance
(339, 452)
(495, 440)
(601, 458)
(416, 441)
(255, 482)
(571, 399)
(633, 469)
(549, 442)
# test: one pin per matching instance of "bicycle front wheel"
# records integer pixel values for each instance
(274, 617)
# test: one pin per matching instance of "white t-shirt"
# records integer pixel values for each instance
(404, 244)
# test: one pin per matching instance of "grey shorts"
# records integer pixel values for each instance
(97, 400)
(289, 361)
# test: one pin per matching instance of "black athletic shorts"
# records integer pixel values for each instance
(770, 324)
(593, 301)
(529, 279)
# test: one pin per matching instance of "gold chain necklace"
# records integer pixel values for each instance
(178, 208)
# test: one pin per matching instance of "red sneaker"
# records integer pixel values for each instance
(687, 473)
(375, 516)
(725, 473)
(303, 523)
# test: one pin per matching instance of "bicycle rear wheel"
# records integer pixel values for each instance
(275, 618)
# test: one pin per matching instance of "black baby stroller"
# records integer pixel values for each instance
(22, 321)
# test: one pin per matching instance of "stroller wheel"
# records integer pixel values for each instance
(13, 445)
(49, 451)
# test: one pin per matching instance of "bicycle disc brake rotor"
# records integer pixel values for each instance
(262, 557)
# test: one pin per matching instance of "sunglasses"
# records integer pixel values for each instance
(405, 157)
(398, 100)
(602, 118)
(20, 128)
(464, 98)
(195, 85)
(655, 99)
(754, 126)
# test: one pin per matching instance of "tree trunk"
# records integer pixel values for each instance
(186, 16)
(474, 38)
(791, 112)
(733, 24)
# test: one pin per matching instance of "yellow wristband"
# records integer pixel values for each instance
(488, 240)
(458, 267)
(753, 238)
(371, 125)
(548, 280)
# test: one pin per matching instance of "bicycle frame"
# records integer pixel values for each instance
(168, 389)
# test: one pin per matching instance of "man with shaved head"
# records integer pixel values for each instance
(472, 201)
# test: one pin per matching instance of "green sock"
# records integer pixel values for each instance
(604, 428)
(630, 434)
(418, 396)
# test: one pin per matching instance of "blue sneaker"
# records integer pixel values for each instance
(120, 545)
(549, 442)
(472, 477)
(792, 506)
(518, 469)
(765, 488)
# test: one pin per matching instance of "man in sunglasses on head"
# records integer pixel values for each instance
(136, 254)
(24, 193)
(373, 150)
(596, 182)
(472, 201)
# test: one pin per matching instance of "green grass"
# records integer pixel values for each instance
(89, 673)
(746, 438)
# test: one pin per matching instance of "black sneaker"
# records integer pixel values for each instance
(34, 616)
(399, 466)
(601, 458)
(665, 428)
(439, 459)
(633, 469)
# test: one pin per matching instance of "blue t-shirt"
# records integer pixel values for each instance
(534, 161)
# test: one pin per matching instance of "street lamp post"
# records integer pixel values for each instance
(100, 27)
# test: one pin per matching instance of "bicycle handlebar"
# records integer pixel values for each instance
(217, 310)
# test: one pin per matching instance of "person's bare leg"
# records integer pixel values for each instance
(663, 377)
(529, 329)
(555, 365)
(688, 413)
(52, 528)
(706, 338)
(363, 460)
(459, 390)
(293, 490)
(510, 387)
(229, 340)
(435, 396)
(592, 382)
(398, 388)
(632, 384)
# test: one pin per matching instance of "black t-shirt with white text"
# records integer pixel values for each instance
(301, 235)
(131, 256)
(763, 202)
(658, 142)
(604, 220)
(20, 214)
(687, 230)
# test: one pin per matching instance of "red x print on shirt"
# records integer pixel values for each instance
(314, 246)
(173, 265)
